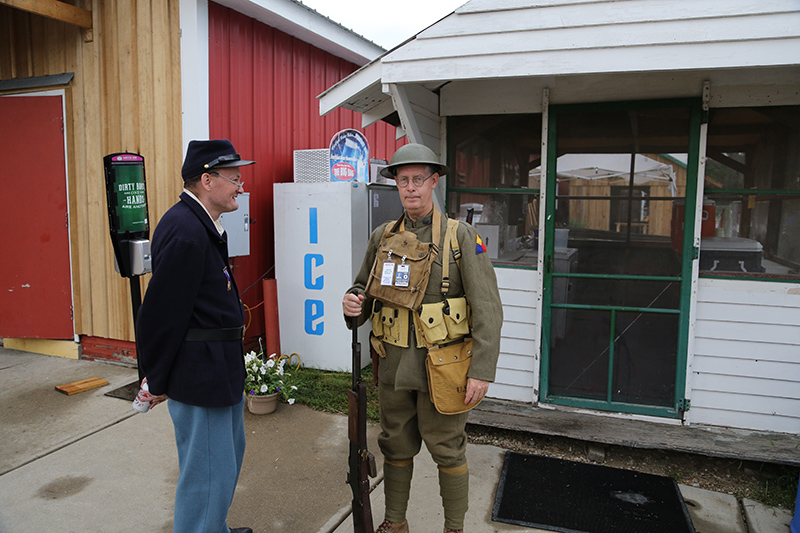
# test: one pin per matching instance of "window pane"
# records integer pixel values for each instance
(622, 293)
(579, 362)
(645, 352)
(507, 223)
(494, 151)
(491, 152)
(621, 188)
(752, 183)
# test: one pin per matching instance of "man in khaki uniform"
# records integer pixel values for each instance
(408, 416)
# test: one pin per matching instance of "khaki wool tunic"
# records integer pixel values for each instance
(473, 277)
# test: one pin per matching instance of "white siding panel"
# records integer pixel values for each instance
(516, 278)
(785, 407)
(753, 368)
(518, 347)
(510, 392)
(746, 361)
(488, 38)
(655, 58)
(516, 362)
(517, 368)
(514, 377)
(753, 421)
(757, 293)
(587, 12)
(523, 38)
(768, 388)
(740, 312)
(519, 298)
(513, 313)
(752, 331)
(518, 330)
(752, 350)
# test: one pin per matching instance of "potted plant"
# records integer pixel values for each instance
(266, 382)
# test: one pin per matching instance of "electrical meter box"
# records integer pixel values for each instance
(237, 227)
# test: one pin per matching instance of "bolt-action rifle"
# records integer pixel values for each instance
(362, 462)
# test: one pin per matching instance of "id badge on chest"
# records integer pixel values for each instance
(388, 274)
(401, 279)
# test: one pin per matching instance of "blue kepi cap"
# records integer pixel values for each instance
(202, 156)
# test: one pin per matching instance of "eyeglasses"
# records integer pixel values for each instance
(402, 181)
(237, 183)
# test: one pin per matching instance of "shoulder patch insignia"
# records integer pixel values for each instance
(479, 246)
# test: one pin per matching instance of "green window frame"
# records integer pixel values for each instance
(493, 182)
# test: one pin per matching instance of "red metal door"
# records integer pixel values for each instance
(35, 281)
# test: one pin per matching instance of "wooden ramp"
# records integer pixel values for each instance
(764, 446)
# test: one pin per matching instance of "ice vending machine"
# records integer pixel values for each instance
(321, 232)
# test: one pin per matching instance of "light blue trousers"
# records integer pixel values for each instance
(211, 445)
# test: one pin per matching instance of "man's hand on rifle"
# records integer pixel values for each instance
(352, 303)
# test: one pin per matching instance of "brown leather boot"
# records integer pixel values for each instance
(448, 530)
(392, 527)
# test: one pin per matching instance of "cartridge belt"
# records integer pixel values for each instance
(212, 335)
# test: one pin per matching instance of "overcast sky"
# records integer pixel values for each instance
(385, 22)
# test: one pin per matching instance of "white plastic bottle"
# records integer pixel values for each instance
(139, 403)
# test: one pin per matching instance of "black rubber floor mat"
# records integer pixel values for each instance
(126, 392)
(559, 495)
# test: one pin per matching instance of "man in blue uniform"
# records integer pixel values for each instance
(189, 337)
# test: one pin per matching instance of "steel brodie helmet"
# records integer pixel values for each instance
(413, 154)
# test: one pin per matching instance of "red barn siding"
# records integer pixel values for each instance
(263, 89)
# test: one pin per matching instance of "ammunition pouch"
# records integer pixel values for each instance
(390, 325)
(377, 348)
(444, 322)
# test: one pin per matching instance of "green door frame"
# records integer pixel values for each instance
(691, 252)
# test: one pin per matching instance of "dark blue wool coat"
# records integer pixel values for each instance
(192, 287)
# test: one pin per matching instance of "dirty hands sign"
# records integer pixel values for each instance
(349, 154)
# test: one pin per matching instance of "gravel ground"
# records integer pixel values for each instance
(773, 485)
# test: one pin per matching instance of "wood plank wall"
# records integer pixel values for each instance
(125, 96)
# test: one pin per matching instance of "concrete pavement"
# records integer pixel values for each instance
(87, 463)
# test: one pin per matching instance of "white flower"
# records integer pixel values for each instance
(271, 363)
(249, 357)
(263, 370)
(264, 388)
(290, 401)
(293, 387)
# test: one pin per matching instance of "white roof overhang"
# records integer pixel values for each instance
(304, 23)
(496, 58)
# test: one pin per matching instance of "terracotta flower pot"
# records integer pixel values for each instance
(262, 404)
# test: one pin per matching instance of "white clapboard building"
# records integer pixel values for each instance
(635, 168)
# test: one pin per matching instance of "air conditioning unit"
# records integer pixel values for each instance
(312, 166)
